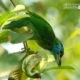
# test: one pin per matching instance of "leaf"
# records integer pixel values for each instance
(16, 17)
(19, 7)
(4, 17)
(13, 37)
(4, 35)
(73, 34)
(8, 62)
(19, 37)
(68, 48)
(62, 67)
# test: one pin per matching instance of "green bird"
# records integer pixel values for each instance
(43, 34)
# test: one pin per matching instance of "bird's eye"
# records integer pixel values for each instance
(61, 53)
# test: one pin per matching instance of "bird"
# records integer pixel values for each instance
(44, 35)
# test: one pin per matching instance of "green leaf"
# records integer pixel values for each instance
(13, 37)
(19, 37)
(73, 35)
(19, 7)
(8, 62)
(4, 35)
(17, 17)
(62, 67)
(68, 48)
(4, 17)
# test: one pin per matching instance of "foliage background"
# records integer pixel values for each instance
(66, 25)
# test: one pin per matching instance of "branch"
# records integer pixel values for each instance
(12, 3)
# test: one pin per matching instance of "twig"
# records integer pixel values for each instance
(12, 3)
(26, 47)
(25, 44)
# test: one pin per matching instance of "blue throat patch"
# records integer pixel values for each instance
(57, 48)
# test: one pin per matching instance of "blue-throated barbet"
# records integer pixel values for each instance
(43, 34)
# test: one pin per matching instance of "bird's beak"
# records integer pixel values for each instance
(58, 59)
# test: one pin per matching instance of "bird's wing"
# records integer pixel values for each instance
(43, 33)
(44, 30)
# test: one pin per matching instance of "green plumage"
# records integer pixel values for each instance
(43, 34)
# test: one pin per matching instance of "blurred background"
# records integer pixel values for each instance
(64, 17)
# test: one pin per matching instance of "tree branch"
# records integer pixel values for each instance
(12, 3)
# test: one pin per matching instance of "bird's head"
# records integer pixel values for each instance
(57, 50)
